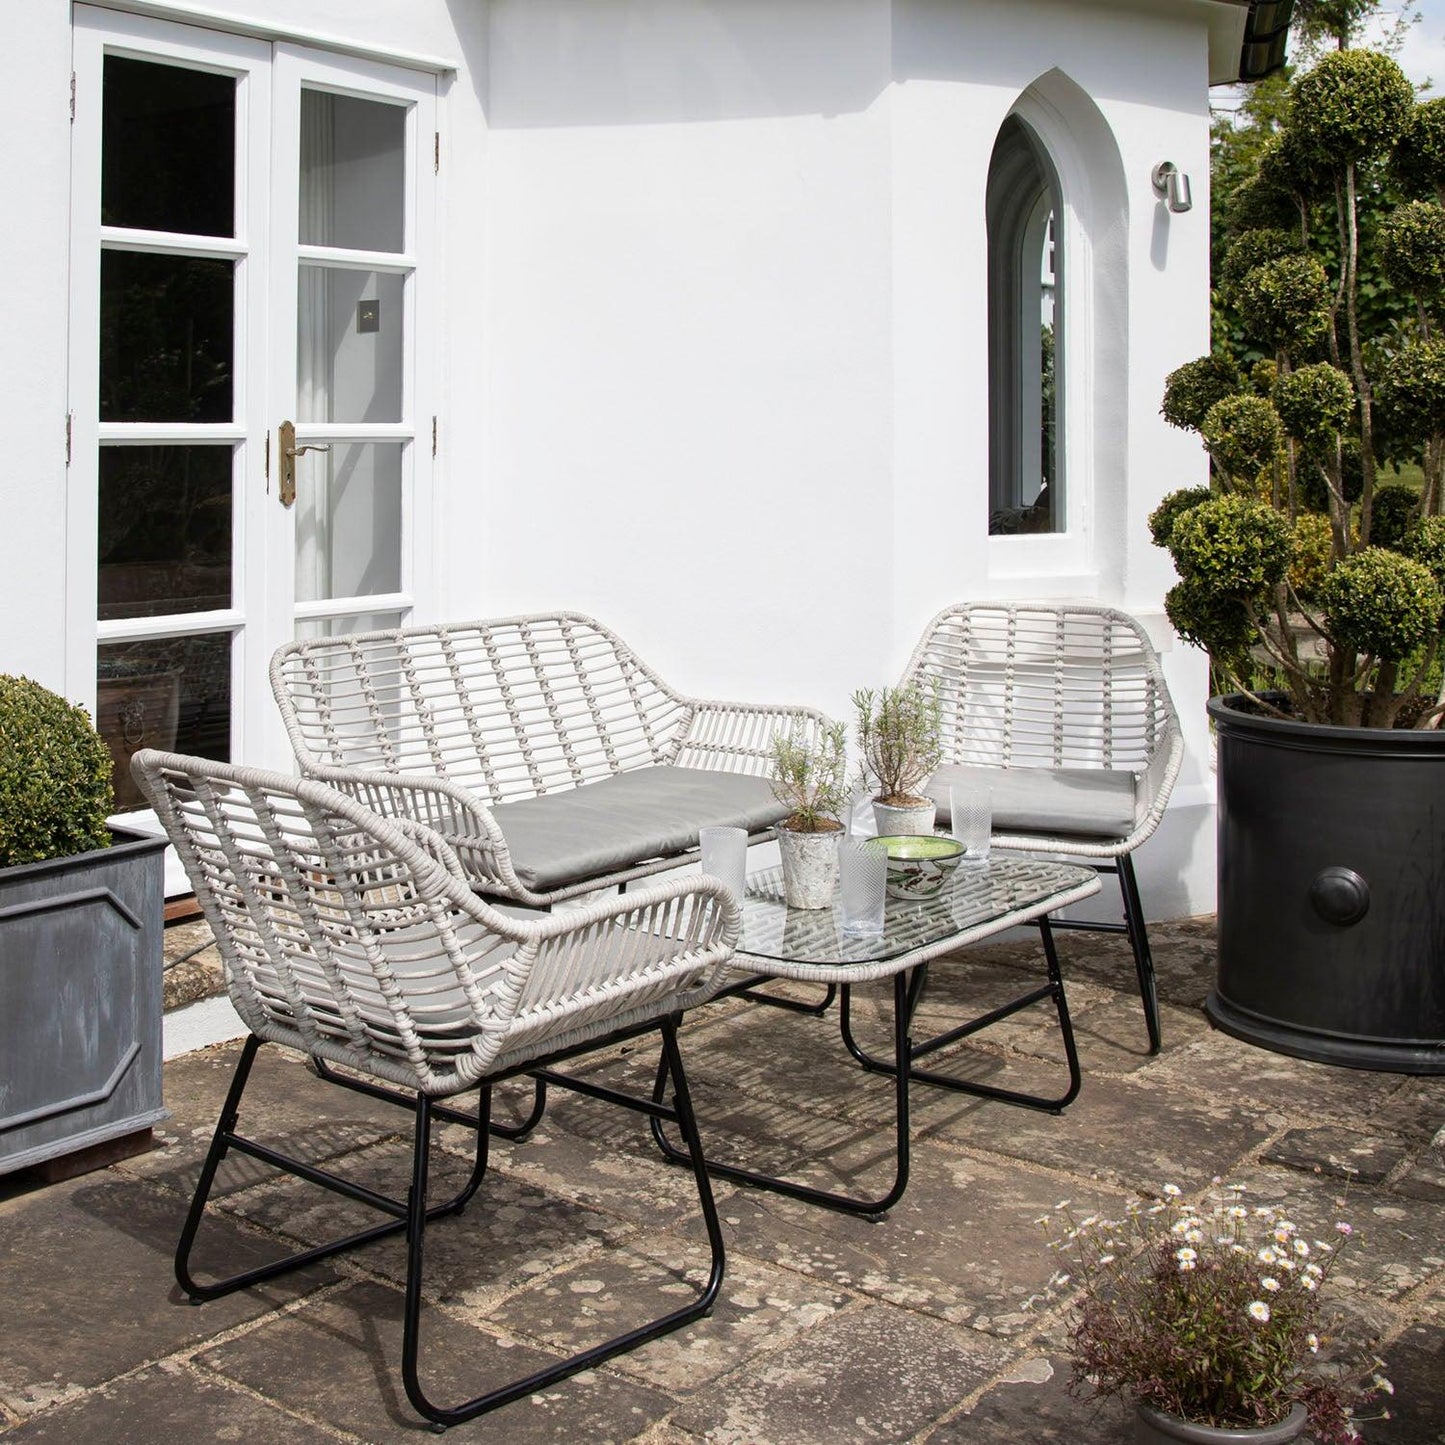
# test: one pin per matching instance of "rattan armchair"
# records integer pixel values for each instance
(551, 758)
(1062, 710)
(360, 943)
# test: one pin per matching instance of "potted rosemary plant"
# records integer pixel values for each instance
(1317, 587)
(1209, 1321)
(810, 779)
(898, 738)
(80, 946)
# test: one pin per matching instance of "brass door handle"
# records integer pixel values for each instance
(286, 437)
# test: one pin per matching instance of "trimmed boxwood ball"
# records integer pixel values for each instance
(1419, 158)
(1254, 248)
(1174, 506)
(55, 776)
(1410, 395)
(1412, 249)
(1315, 403)
(1313, 549)
(1209, 619)
(1381, 603)
(1426, 544)
(1393, 516)
(1351, 105)
(1190, 390)
(1233, 546)
(1286, 302)
(1243, 435)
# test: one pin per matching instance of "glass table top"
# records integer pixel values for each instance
(971, 899)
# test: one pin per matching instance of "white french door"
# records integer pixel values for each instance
(252, 262)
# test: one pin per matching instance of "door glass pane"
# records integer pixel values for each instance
(165, 338)
(172, 693)
(168, 145)
(348, 521)
(165, 530)
(349, 345)
(314, 627)
(353, 172)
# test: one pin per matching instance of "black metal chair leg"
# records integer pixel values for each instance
(842, 1203)
(418, 1215)
(1139, 942)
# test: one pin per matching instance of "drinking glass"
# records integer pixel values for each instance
(725, 857)
(863, 872)
(970, 813)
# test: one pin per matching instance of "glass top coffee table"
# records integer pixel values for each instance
(811, 946)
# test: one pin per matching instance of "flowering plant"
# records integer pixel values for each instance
(1210, 1315)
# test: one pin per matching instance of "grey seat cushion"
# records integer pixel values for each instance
(1093, 802)
(601, 828)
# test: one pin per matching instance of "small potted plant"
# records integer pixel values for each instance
(898, 737)
(1209, 1321)
(80, 946)
(810, 778)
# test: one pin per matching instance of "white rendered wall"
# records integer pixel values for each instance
(715, 326)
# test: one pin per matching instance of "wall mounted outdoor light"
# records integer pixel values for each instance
(1172, 186)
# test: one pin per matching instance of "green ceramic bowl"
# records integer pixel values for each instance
(919, 864)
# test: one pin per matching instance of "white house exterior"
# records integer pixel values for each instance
(676, 312)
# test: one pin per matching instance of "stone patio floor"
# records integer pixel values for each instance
(926, 1326)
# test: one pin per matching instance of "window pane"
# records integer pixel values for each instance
(314, 627)
(348, 521)
(165, 338)
(165, 530)
(353, 172)
(349, 345)
(172, 693)
(168, 148)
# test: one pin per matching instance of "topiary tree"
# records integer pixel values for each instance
(55, 776)
(1299, 562)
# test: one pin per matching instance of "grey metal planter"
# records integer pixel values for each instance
(1331, 891)
(80, 1000)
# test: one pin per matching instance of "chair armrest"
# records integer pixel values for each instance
(735, 737)
(1157, 780)
(457, 814)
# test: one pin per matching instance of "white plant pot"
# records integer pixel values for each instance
(810, 867)
(892, 822)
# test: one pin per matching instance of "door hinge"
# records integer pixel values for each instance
(72, 95)
(69, 427)
(436, 153)
(433, 436)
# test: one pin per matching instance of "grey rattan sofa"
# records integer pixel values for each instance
(551, 758)
(1062, 710)
(359, 942)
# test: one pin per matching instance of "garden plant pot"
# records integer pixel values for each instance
(1153, 1427)
(80, 1002)
(810, 867)
(1331, 875)
(891, 821)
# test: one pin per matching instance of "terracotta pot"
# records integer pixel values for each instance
(810, 867)
(1153, 1427)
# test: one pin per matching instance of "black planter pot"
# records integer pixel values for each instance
(1331, 891)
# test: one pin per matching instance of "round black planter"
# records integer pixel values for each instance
(1331, 891)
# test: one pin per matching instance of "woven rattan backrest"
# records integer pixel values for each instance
(333, 926)
(511, 708)
(1043, 685)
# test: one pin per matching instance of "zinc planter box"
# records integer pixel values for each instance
(80, 1003)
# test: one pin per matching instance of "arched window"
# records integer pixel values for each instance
(1026, 268)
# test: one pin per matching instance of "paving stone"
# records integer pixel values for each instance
(167, 1405)
(1339, 1153)
(1032, 1403)
(871, 1374)
(963, 1244)
(86, 1276)
(1424, 1179)
(1110, 1033)
(759, 1309)
(1415, 1366)
(345, 1369)
(1415, 1110)
(1189, 1136)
